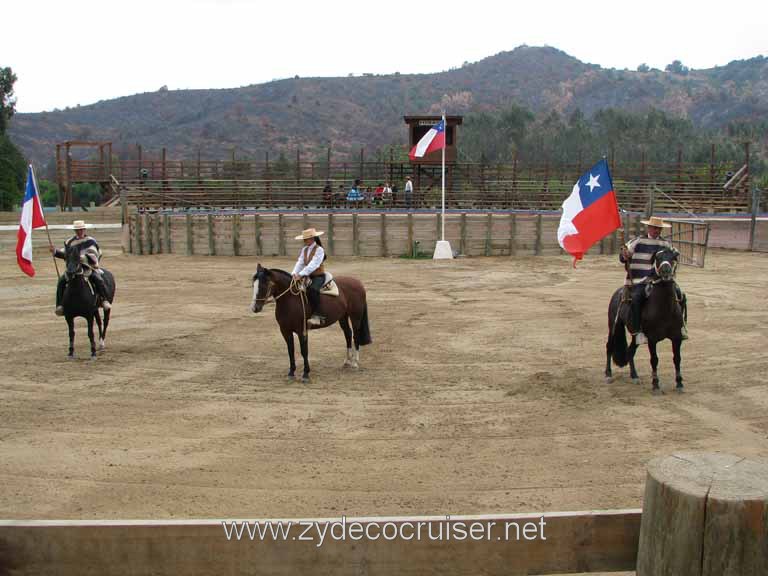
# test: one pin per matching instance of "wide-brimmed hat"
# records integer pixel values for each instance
(309, 233)
(79, 225)
(657, 222)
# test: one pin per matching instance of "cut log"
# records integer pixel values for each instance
(704, 514)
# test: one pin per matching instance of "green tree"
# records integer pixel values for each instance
(12, 164)
(7, 101)
(13, 171)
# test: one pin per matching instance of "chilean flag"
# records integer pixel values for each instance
(31, 218)
(431, 141)
(589, 213)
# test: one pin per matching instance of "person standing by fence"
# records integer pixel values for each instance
(408, 192)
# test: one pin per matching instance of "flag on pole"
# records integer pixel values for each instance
(31, 218)
(433, 140)
(590, 213)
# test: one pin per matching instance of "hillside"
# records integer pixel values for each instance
(366, 111)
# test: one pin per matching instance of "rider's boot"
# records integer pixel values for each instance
(60, 295)
(101, 289)
(314, 302)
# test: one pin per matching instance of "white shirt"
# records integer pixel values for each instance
(313, 265)
(409, 186)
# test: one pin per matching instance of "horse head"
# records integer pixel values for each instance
(74, 262)
(665, 263)
(262, 288)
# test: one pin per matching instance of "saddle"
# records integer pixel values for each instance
(329, 287)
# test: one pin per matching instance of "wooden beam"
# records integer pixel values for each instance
(552, 543)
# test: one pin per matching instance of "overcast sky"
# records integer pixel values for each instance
(83, 51)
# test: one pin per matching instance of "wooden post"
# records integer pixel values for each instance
(638, 225)
(537, 246)
(384, 248)
(330, 235)
(280, 235)
(438, 228)
(167, 233)
(753, 222)
(704, 514)
(150, 234)
(355, 236)
(190, 236)
(488, 230)
(211, 237)
(614, 241)
(512, 234)
(410, 233)
(257, 235)
(236, 234)
(463, 241)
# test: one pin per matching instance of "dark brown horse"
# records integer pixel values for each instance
(80, 299)
(662, 317)
(292, 311)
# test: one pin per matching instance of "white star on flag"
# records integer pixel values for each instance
(593, 182)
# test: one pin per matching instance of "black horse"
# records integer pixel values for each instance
(291, 312)
(80, 299)
(663, 317)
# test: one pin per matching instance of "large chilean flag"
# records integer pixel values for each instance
(433, 140)
(589, 213)
(31, 218)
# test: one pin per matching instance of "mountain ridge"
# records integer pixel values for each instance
(350, 113)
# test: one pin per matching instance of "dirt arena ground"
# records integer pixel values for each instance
(483, 392)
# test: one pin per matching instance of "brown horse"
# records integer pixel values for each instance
(664, 315)
(292, 311)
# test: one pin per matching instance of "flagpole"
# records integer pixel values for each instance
(445, 135)
(48, 232)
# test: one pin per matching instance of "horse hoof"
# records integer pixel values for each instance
(70, 356)
(93, 357)
(355, 366)
(305, 379)
(102, 346)
(635, 380)
(657, 391)
(679, 389)
(609, 379)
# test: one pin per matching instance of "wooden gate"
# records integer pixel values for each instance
(690, 237)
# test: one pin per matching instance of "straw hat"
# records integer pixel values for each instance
(657, 222)
(309, 233)
(79, 225)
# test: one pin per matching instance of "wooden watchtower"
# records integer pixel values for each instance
(420, 125)
(71, 170)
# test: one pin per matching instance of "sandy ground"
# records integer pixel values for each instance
(483, 392)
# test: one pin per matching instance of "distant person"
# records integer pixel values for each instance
(394, 194)
(328, 194)
(378, 194)
(386, 194)
(355, 195)
(408, 192)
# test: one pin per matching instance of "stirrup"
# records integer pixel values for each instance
(640, 338)
(684, 333)
(106, 305)
(315, 320)
(59, 311)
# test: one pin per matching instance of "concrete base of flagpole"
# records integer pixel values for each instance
(443, 250)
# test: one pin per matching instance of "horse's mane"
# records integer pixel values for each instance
(281, 272)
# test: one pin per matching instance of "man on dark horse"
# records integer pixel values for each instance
(637, 257)
(90, 254)
(310, 265)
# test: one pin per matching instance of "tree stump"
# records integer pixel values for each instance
(704, 514)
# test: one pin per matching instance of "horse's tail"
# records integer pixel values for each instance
(364, 330)
(617, 335)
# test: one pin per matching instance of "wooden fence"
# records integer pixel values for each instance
(243, 233)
